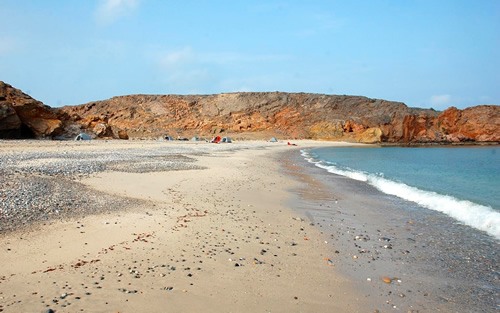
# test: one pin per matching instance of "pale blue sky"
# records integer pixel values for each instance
(426, 53)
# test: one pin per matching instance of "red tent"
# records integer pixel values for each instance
(216, 139)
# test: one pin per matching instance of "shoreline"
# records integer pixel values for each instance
(398, 255)
(221, 238)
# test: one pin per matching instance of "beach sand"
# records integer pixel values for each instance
(219, 239)
(154, 226)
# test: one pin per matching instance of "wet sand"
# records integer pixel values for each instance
(400, 257)
(220, 237)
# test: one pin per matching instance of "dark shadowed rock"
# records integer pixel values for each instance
(9, 121)
(24, 117)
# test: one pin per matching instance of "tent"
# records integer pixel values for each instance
(226, 140)
(273, 139)
(216, 139)
(83, 136)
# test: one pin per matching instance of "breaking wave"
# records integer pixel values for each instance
(469, 213)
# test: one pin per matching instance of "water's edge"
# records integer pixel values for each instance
(375, 236)
(469, 213)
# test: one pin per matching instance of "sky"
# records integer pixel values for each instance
(425, 53)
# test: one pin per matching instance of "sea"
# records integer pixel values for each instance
(461, 182)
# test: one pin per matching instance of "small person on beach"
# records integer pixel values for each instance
(291, 144)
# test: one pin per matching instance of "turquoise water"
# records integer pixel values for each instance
(463, 182)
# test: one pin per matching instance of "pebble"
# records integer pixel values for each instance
(26, 176)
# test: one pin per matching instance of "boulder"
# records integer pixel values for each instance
(121, 134)
(102, 130)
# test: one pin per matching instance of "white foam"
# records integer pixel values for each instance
(472, 214)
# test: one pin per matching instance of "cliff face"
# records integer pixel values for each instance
(480, 123)
(291, 115)
(280, 114)
(24, 117)
(260, 115)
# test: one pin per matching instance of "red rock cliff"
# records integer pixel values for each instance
(295, 115)
(253, 115)
(480, 123)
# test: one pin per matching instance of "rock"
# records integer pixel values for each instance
(102, 130)
(351, 126)
(371, 135)
(9, 121)
(249, 115)
(418, 127)
(122, 134)
(480, 123)
(327, 130)
(296, 115)
(32, 119)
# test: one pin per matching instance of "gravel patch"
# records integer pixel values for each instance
(37, 186)
(29, 199)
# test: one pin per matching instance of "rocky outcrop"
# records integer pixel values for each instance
(24, 117)
(251, 115)
(9, 121)
(370, 135)
(292, 115)
(295, 115)
(480, 124)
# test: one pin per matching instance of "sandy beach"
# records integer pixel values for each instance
(218, 238)
(155, 226)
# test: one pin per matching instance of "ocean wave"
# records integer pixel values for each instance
(469, 213)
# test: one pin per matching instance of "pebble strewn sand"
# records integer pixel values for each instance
(42, 185)
(210, 231)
